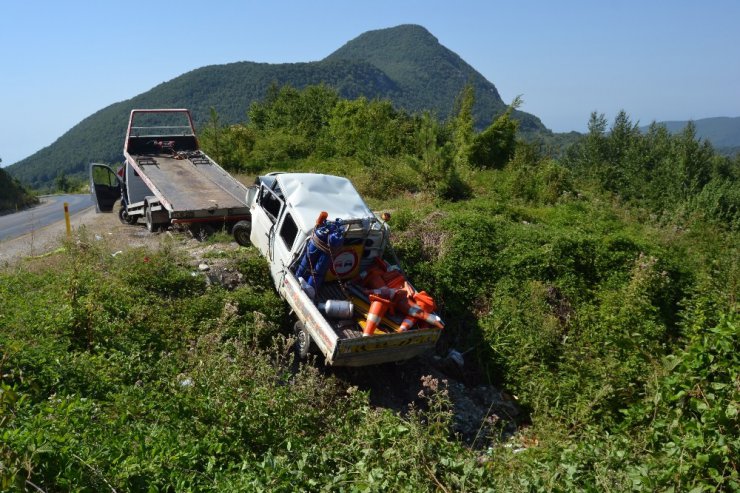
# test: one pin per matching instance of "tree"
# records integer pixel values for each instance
(436, 156)
(369, 129)
(215, 127)
(495, 146)
(462, 125)
(62, 182)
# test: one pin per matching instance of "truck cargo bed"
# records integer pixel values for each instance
(191, 184)
(332, 291)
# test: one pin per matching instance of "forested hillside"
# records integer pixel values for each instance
(722, 132)
(405, 65)
(13, 196)
(598, 290)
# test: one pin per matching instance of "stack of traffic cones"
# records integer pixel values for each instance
(389, 290)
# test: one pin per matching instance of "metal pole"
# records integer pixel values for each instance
(66, 219)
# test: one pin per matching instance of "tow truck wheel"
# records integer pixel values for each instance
(202, 232)
(241, 231)
(151, 226)
(303, 340)
(124, 216)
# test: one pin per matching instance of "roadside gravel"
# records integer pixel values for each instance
(49, 238)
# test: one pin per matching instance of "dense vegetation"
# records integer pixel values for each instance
(13, 195)
(599, 288)
(405, 64)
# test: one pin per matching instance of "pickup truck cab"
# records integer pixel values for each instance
(286, 210)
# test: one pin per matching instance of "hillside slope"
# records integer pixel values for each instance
(723, 132)
(12, 194)
(405, 64)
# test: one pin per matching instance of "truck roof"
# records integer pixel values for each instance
(308, 194)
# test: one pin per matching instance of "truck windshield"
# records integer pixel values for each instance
(160, 124)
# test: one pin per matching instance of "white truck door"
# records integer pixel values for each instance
(265, 213)
(282, 245)
(105, 187)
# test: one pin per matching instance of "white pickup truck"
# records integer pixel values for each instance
(289, 211)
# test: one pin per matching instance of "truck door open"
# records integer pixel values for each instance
(105, 187)
(265, 214)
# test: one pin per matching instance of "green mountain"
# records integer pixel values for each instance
(723, 132)
(428, 75)
(405, 64)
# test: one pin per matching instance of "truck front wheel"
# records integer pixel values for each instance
(124, 216)
(202, 231)
(241, 231)
(303, 340)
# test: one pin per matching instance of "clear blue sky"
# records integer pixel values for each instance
(659, 60)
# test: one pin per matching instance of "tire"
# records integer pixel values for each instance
(151, 226)
(241, 231)
(202, 232)
(303, 342)
(125, 218)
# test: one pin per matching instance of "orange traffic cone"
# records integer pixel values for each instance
(424, 301)
(410, 308)
(393, 279)
(373, 280)
(409, 288)
(383, 292)
(407, 323)
(378, 307)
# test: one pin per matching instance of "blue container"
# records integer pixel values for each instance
(316, 260)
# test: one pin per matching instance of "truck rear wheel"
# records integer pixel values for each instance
(303, 341)
(151, 226)
(241, 231)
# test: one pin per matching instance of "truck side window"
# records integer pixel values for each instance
(288, 231)
(270, 203)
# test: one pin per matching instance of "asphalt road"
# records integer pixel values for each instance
(48, 212)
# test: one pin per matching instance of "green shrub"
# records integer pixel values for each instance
(278, 147)
(691, 415)
(545, 183)
(159, 272)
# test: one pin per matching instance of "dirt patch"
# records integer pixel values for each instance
(482, 414)
(215, 262)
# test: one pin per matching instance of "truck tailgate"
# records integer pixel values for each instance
(375, 349)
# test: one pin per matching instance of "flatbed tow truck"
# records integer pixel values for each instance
(167, 179)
